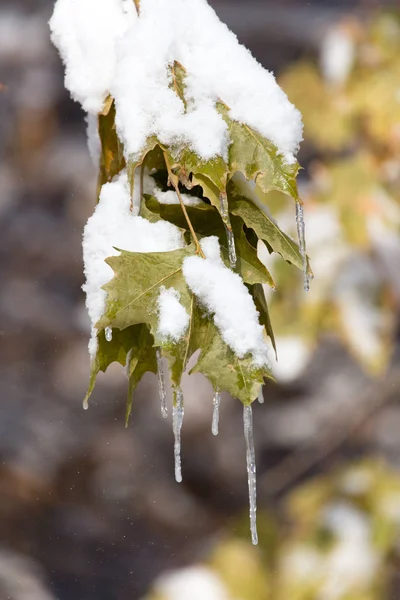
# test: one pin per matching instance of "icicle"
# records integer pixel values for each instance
(85, 404)
(302, 243)
(261, 396)
(231, 248)
(229, 233)
(215, 419)
(251, 471)
(161, 384)
(108, 334)
(177, 420)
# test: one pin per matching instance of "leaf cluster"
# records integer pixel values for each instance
(228, 209)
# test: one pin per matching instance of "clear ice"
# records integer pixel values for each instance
(215, 418)
(251, 471)
(231, 248)
(161, 384)
(301, 232)
(261, 396)
(229, 233)
(108, 334)
(177, 420)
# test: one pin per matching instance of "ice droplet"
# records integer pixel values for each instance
(177, 420)
(261, 396)
(215, 418)
(108, 334)
(161, 384)
(229, 233)
(251, 471)
(85, 404)
(301, 232)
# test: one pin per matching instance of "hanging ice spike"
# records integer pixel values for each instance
(177, 420)
(302, 243)
(229, 233)
(108, 334)
(251, 471)
(231, 248)
(261, 396)
(161, 384)
(215, 418)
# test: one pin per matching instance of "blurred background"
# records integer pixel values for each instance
(90, 510)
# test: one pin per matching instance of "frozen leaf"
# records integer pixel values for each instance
(226, 371)
(138, 278)
(260, 301)
(111, 155)
(178, 354)
(266, 229)
(116, 350)
(177, 74)
(150, 149)
(206, 221)
(249, 266)
(258, 159)
(141, 358)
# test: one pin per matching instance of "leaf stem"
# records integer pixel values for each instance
(174, 182)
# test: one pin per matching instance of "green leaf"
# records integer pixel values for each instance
(206, 221)
(108, 352)
(141, 358)
(266, 228)
(179, 354)
(133, 292)
(258, 158)
(226, 371)
(111, 153)
(178, 74)
(260, 301)
(149, 149)
(249, 266)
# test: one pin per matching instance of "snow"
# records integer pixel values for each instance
(193, 583)
(170, 197)
(113, 225)
(106, 48)
(93, 139)
(85, 33)
(225, 296)
(217, 66)
(173, 317)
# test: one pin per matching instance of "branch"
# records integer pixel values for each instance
(174, 182)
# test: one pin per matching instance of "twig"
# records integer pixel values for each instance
(174, 182)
